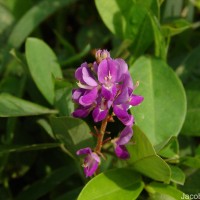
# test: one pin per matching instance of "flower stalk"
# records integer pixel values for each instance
(101, 134)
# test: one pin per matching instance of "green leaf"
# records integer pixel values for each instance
(189, 65)
(162, 113)
(6, 19)
(72, 194)
(42, 63)
(11, 106)
(145, 160)
(159, 40)
(114, 184)
(74, 133)
(32, 147)
(171, 149)
(172, 9)
(125, 18)
(46, 126)
(129, 20)
(33, 18)
(63, 98)
(177, 175)
(175, 27)
(168, 192)
(192, 183)
(191, 127)
(43, 186)
(193, 162)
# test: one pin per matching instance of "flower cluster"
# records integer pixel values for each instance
(105, 86)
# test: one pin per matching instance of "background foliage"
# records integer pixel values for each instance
(43, 42)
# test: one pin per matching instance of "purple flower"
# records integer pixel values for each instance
(119, 143)
(103, 85)
(91, 161)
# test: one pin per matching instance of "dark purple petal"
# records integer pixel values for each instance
(98, 114)
(123, 97)
(86, 150)
(76, 94)
(122, 152)
(135, 99)
(123, 115)
(108, 93)
(88, 97)
(81, 112)
(125, 136)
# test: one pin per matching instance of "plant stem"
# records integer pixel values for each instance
(101, 134)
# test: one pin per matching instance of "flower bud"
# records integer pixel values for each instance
(101, 55)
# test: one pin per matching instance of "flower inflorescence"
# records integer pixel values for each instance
(105, 86)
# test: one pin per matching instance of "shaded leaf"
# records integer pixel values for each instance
(175, 27)
(74, 133)
(171, 149)
(192, 183)
(33, 18)
(42, 63)
(11, 106)
(43, 186)
(191, 126)
(22, 148)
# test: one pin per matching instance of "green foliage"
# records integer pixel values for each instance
(164, 99)
(43, 67)
(129, 186)
(143, 154)
(42, 44)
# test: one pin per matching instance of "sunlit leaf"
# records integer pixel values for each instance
(162, 113)
(144, 159)
(115, 184)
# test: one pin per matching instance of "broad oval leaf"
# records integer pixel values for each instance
(162, 113)
(144, 159)
(11, 106)
(114, 184)
(42, 63)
